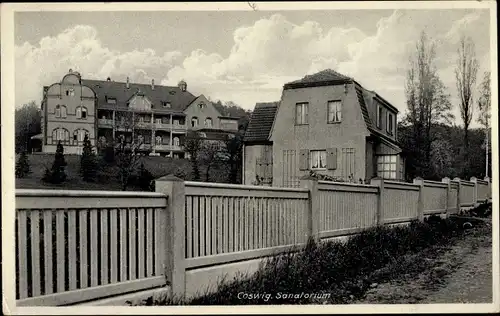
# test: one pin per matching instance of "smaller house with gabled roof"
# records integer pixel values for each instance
(257, 148)
(326, 123)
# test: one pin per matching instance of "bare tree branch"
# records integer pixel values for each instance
(253, 6)
(465, 75)
(428, 104)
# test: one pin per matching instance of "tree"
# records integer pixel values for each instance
(22, 165)
(465, 75)
(484, 118)
(127, 149)
(192, 146)
(428, 104)
(57, 174)
(209, 156)
(234, 149)
(28, 123)
(88, 163)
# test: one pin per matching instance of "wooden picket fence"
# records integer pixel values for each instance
(79, 246)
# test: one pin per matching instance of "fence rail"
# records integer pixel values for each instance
(76, 246)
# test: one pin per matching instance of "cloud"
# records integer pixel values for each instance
(79, 48)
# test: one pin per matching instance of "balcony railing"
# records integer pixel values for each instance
(167, 126)
(164, 147)
(105, 123)
(147, 125)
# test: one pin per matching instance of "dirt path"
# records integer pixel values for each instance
(460, 273)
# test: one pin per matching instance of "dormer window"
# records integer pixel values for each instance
(379, 116)
(390, 123)
(165, 104)
(111, 100)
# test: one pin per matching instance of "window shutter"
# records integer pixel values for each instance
(331, 159)
(304, 159)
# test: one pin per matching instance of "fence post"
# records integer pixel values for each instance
(488, 196)
(459, 188)
(474, 180)
(448, 191)
(379, 182)
(313, 211)
(420, 205)
(173, 228)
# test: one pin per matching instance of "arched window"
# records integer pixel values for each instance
(81, 112)
(176, 141)
(194, 122)
(63, 111)
(58, 111)
(60, 134)
(158, 140)
(79, 136)
(201, 105)
(208, 122)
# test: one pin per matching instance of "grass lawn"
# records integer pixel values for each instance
(107, 175)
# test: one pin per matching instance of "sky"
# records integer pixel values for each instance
(241, 56)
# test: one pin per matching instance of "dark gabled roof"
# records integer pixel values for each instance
(178, 99)
(261, 122)
(362, 104)
(324, 77)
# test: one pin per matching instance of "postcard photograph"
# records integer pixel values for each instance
(333, 157)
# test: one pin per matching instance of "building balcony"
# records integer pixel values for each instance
(119, 126)
(105, 123)
(163, 147)
(173, 127)
(143, 125)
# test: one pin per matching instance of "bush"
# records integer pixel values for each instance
(22, 165)
(108, 154)
(88, 163)
(344, 270)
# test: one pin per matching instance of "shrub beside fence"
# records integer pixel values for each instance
(75, 246)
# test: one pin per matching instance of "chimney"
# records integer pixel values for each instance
(182, 85)
(152, 84)
(128, 83)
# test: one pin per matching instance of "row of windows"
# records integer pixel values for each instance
(63, 135)
(334, 109)
(164, 104)
(386, 165)
(194, 122)
(62, 112)
(390, 120)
